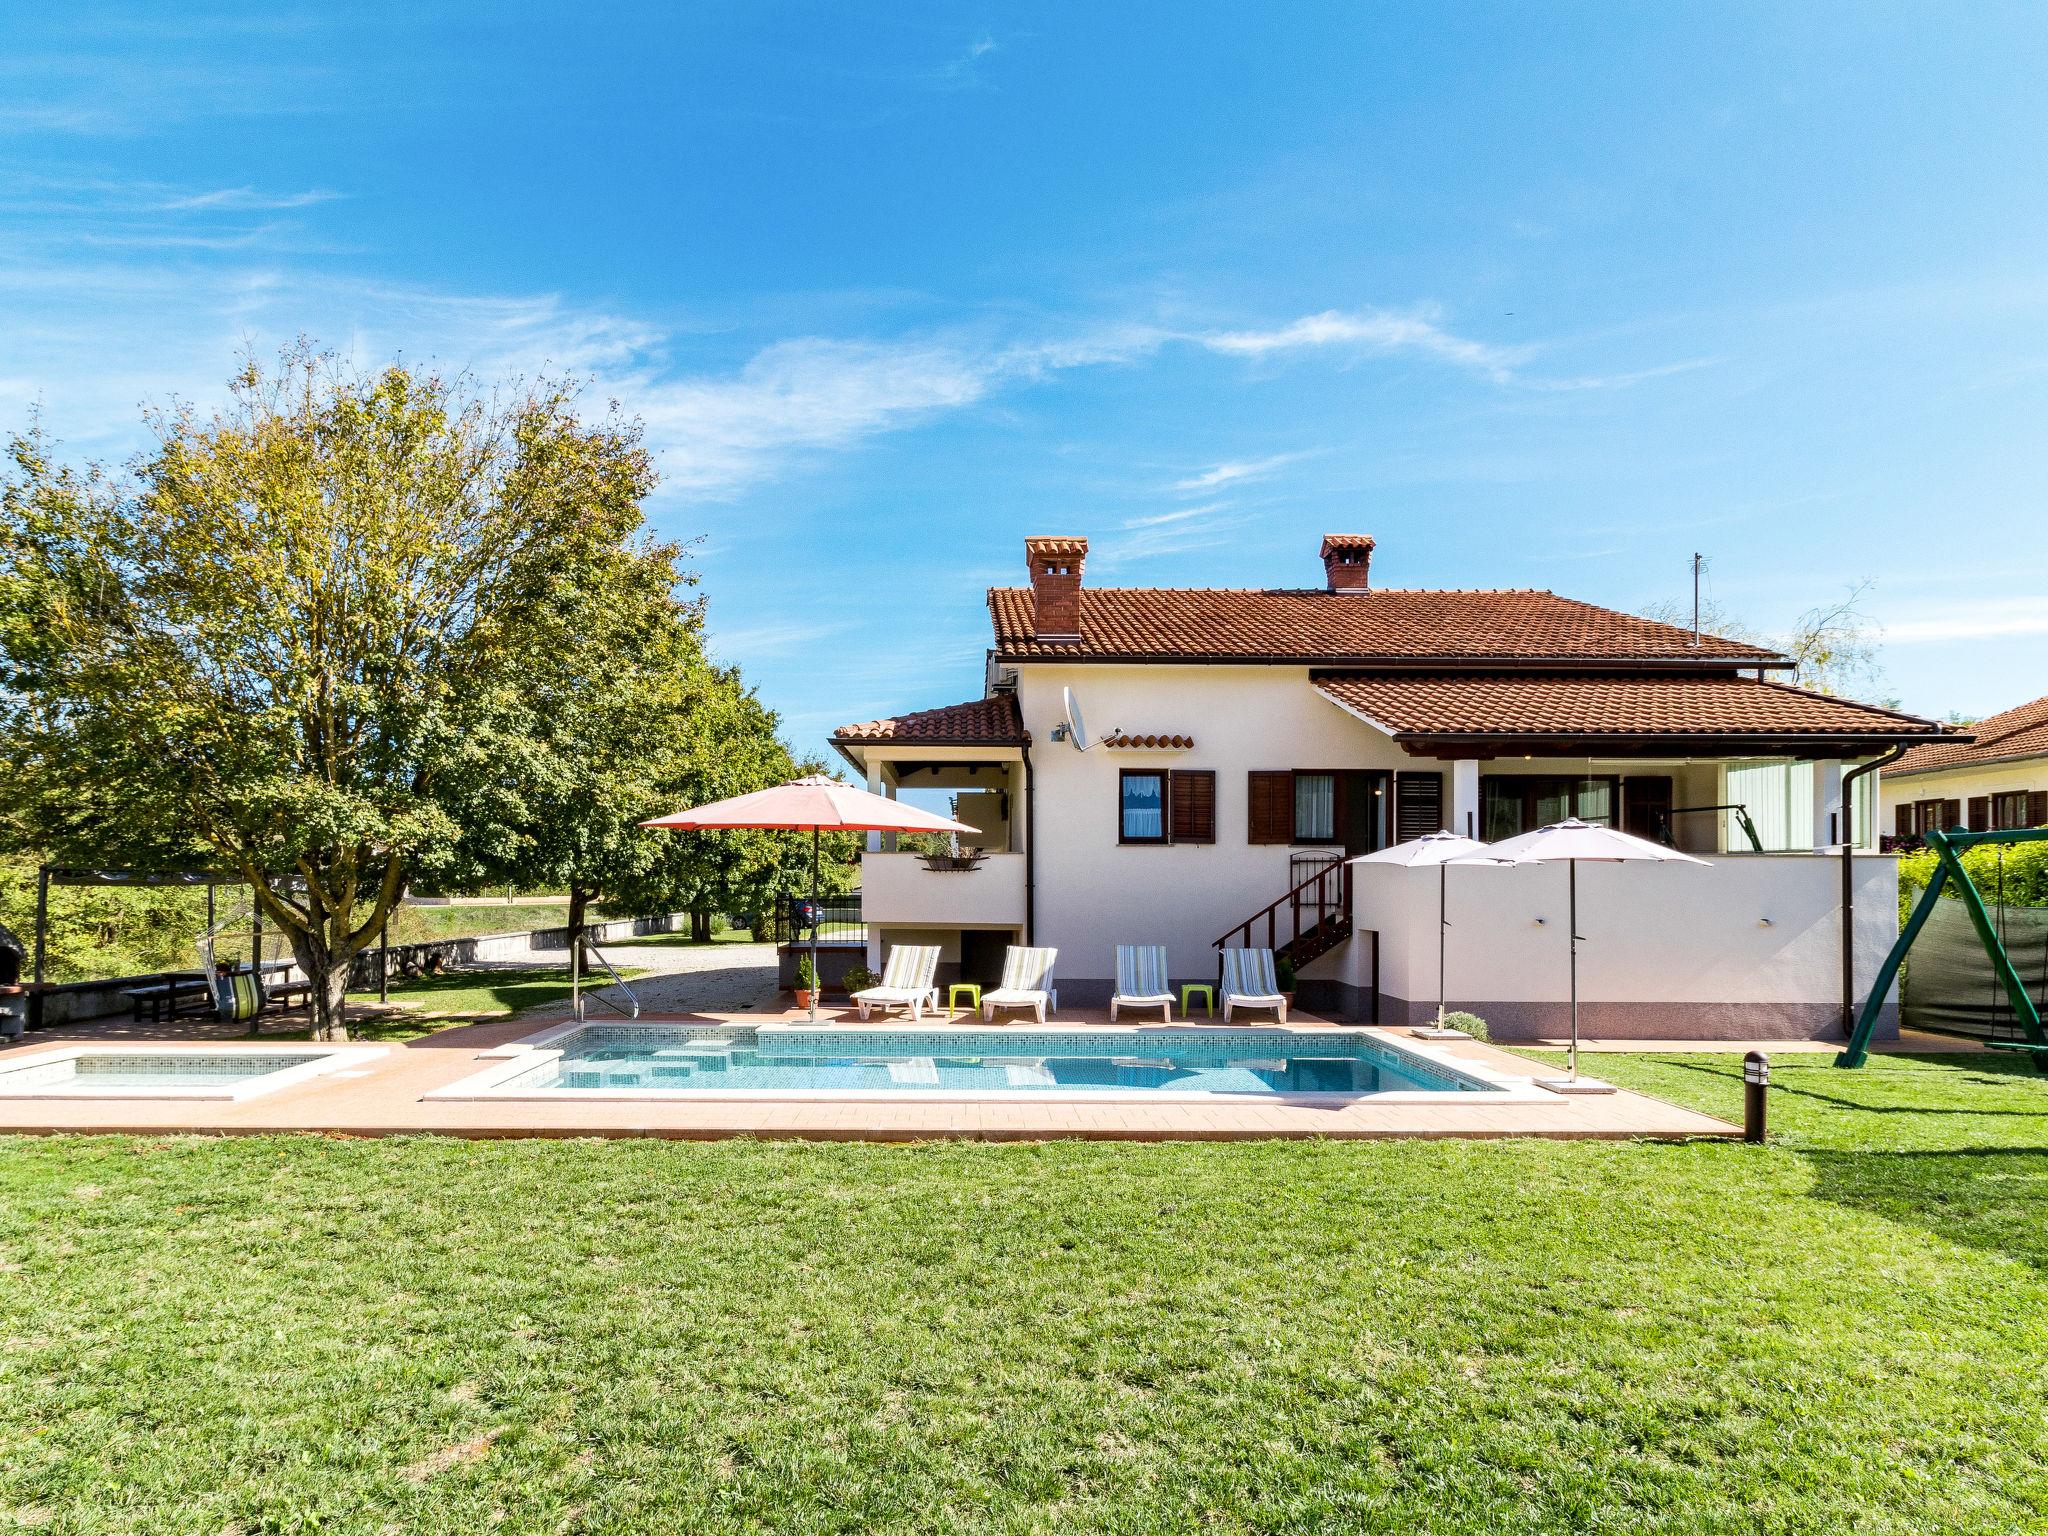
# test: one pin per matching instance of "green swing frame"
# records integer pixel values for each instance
(1947, 845)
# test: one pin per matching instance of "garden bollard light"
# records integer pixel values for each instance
(1756, 1082)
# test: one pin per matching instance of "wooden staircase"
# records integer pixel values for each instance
(1310, 920)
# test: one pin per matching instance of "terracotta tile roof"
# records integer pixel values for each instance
(1328, 628)
(1423, 705)
(990, 722)
(2021, 732)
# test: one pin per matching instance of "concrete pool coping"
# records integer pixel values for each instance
(517, 1058)
(313, 1060)
(392, 1096)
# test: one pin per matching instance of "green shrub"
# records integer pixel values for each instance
(806, 974)
(1283, 972)
(859, 978)
(2025, 876)
(1468, 1023)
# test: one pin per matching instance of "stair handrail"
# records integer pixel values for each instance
(631, 1009)
(1323, 905)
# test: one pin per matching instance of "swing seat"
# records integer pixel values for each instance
(2016, 1045)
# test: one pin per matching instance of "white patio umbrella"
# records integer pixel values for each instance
(1573, 842)
(1440, 849)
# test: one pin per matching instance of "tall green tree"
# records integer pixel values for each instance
(292, 639)
(654, 726)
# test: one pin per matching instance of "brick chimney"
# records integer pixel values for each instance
(1056, 586)
(1347, 561)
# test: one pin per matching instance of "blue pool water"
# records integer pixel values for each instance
(657, 1058)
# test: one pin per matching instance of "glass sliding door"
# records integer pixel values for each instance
(1511, 804)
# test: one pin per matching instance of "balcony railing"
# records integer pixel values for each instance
(840, 921)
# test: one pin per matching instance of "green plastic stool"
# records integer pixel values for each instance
(973, 991)
(1188, 989)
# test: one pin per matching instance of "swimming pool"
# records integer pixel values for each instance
(153, 1072)
(784, 1061)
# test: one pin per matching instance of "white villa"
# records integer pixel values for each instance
(1191, 767)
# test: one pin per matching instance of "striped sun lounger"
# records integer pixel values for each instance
(1141, 979)
(1249, 982)
(1026, 983)
(906, 982)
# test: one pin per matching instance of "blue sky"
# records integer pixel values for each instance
(1540, 296)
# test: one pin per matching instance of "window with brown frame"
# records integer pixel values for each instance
(1156, 807)
(2013, 810)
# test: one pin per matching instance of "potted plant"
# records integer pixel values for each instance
(1283, 972)
(859, 978)
(806, 981)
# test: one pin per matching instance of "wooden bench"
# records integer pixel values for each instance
(175, 997)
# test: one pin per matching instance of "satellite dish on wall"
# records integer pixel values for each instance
(1076, 732)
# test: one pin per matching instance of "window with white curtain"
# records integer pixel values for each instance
(1315, 807)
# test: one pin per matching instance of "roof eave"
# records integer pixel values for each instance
(1967, 764)
(1466, 661)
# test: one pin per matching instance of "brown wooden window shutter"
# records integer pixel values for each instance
(1951, 814)
(1902, 821)
(2037, 808)
(1269, 796)
(1980, 813)
(1418, 804)
(1191, 793)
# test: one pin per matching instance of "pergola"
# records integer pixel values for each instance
(72, 874)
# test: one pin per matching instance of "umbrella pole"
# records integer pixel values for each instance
(1443, 924)
(1572, 917)
(817, 980)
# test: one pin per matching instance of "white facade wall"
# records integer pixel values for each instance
(1748, 947)
(1094, 893)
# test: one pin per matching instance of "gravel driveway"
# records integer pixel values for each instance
(697, 978)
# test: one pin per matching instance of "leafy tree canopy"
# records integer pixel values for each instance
(353, 631)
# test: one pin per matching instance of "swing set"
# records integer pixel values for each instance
(1947, 846)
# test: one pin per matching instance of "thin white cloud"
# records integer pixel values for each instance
(1378, 331)
(1987, 619)
(1235, 471)
(247, 199)
(717, 432)
(1168, 533)
(713, 431)
(960, 73)
(1624, 380)
(1160, 519)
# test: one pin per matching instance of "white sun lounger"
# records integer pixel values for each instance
(1026, 983)
(906, 982)
(1141, 979)
(1249, 982)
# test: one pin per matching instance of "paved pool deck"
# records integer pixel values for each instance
(387, 1096)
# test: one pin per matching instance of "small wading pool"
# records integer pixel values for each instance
(153, 1072)
(663, 1061)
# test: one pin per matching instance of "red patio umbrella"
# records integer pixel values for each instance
(815, 805)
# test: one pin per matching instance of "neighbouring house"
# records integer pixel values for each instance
(1992, 783)
(1191, 767)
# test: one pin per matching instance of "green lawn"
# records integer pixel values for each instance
(1842, 1331)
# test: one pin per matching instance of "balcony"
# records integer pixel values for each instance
(901, 889)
